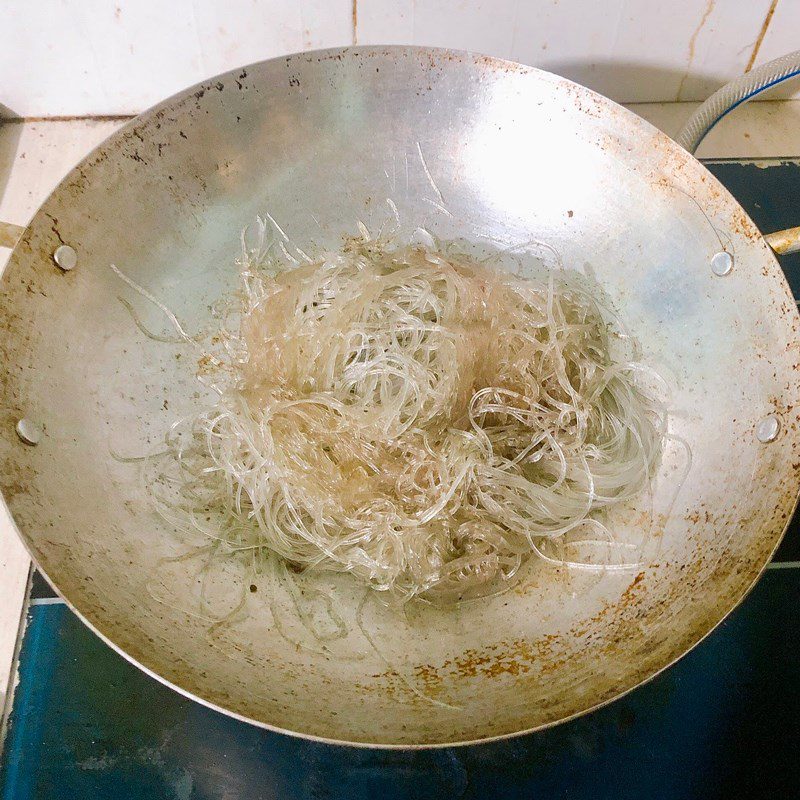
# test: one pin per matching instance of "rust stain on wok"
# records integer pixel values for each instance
(520, 656)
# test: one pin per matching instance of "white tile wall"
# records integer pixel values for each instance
(106, 57)
(101, 57)
(631, 50)
(98, 57)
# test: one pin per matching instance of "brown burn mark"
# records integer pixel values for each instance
(584, 102)
(516, 657)
(428, 677)
(743, 225)
(692, 46)
(54, 227)
(629, 595)
(545, 654)
(698, 516)
(497, 64)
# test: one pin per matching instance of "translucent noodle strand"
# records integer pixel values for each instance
(415, 418)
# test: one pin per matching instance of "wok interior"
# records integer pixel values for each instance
(484, 152)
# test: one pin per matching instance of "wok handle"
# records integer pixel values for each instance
(9, 234)
(783, 242)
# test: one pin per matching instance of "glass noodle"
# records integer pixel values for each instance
(415, 418)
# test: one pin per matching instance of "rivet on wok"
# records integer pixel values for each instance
(29, 431)
(721, 263)
(767, 429)
(65, 257)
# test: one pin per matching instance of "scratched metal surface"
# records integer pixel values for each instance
(320, 140)
(83, 726)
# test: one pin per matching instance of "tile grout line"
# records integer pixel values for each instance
(124, 117)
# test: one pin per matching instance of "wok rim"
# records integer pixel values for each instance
(327, 53)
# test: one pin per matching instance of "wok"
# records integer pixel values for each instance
(319, 141)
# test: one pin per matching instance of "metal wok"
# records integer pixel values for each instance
(320, 140)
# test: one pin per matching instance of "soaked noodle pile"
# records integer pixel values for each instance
(419, 420)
